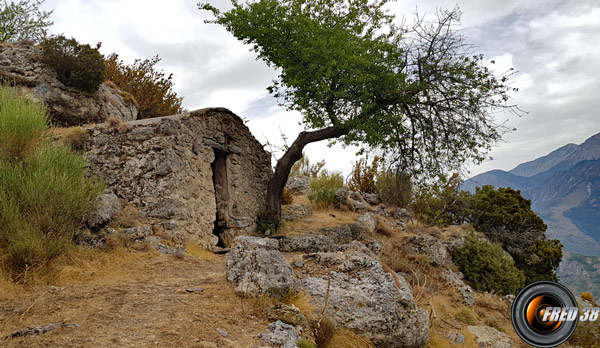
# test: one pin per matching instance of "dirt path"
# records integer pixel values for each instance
(139, 301)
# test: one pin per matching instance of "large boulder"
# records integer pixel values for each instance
(255, 266)
(22, 65)
(280, 335)
(294, 211)
(358, 294)
(298, 185)
(107, 206)
(430, 246)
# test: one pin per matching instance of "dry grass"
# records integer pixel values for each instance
(383, 227)
(112, 121)
(324, 331)
(344, 338)
(75, 137)
(302, 301)
(195, 250)
(439, 339)
(465, 316)
(321, 218)
(126, 218)
(111, 85)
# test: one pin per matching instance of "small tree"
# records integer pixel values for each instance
(355, 74)
(23, 20)
(152, 89)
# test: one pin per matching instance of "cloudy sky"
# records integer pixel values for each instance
(555, 46)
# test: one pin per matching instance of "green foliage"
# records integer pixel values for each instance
(23, 20)
(415, 92)
(77, 65)
(324, 188)
(264, 224)
(305, 344)
(505, 217)
(465, 316)
(23, 124)
(148, 88)
(44, 195)
(394, 187)
(488, 267)
(363, 175)
(540, 260)
(441, 203)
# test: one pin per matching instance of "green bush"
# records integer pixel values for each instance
(324, 188)
(441, 203)
(77, 65)
(488, 267)
(23, 124)
(43, 198)
(305, 344)
(394, 188)
(465, 316)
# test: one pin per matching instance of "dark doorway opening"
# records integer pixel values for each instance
(221, 186)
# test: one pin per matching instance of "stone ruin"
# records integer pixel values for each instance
(200, 175)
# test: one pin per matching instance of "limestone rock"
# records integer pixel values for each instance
(310, 244)
(343, 234)
(489, 337)
(341, 198)
(401, 214)
(295, 211)
(280, 335)
(255, 268)
(21, 64)
(429, 246)
(298, 185)
(107, 205)
(366, 299)
(368, 221)
(371, 198)
(357, 206)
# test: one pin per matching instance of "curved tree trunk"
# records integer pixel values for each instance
(285, 163)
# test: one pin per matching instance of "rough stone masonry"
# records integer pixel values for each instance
(198, 176)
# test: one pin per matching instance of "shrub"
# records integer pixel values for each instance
(441, 203)
(23, 124)
(305, 344)
(324, 188)
(147, 88)
(363, 175)
(487, 266)
(303, 167)
(588, 297)
(77, 65)
(465, 316)
(43, 197)
(394, 188)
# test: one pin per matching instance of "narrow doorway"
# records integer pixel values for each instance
(221, 186)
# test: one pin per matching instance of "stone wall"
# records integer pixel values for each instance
(162, 166)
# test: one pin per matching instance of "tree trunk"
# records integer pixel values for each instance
(285, 163)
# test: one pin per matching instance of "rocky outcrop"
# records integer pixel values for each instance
(21, 65)
(280, 335)
(298, 185)
(343, 281)
(296, 211)
(255, 266)
(185, 172)
(107, 206)
(359, 295)
(429, 246)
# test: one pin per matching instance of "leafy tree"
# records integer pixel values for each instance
(151, 89)
(487, 266)
(357, 76)
(23, 20)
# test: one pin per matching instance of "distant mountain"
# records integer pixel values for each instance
(564, 187)
(542, 164)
